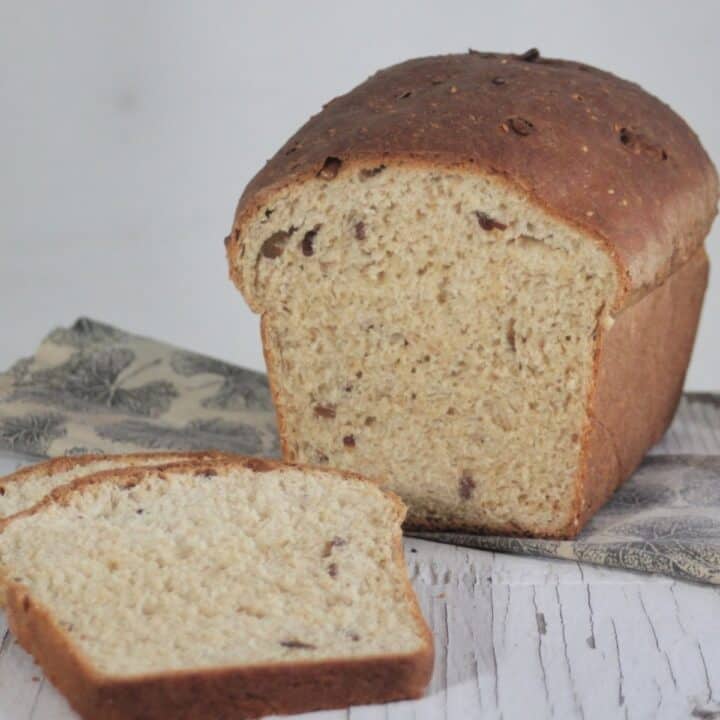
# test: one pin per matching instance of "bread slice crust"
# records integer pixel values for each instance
(66, 463)
(243, 692)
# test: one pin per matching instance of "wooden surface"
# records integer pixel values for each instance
(515, 638)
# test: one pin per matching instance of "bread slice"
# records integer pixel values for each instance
(218, 589)
(480, 277)
(22, 490)
(26, 487)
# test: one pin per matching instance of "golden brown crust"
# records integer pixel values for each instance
(69, 462)
(246, 692)
(50, 467)
(66, 463)
(599, 153)
(639, 378)
(129, 476)
(272, 366)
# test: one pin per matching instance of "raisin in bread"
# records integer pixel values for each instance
(226, 588)
(480, 278)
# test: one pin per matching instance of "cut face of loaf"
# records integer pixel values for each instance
(217, 589)
(434, 329)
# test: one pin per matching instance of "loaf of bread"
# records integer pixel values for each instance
(480, 278)
(218, 589)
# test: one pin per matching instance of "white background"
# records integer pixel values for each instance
(129, 129)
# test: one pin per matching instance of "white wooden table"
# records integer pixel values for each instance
(515, 638)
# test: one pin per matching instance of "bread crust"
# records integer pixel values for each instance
(66, 463)
(247, 692)
(600, 153)
(639, 375)
(272, 364)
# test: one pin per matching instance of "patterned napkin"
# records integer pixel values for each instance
(94, 388)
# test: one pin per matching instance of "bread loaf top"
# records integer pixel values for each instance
(590, 148)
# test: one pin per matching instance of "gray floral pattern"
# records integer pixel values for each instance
(81, 450)
(93, 388)
(20, 369)
(31, 433)
(632, 497)
(704, 398)
(237, 388)
(214, 434)
(85, 333)
(95, 378)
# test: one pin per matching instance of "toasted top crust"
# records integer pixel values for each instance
(597, 151)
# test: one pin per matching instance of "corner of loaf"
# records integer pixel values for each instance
(431, 327)
(479, 278)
